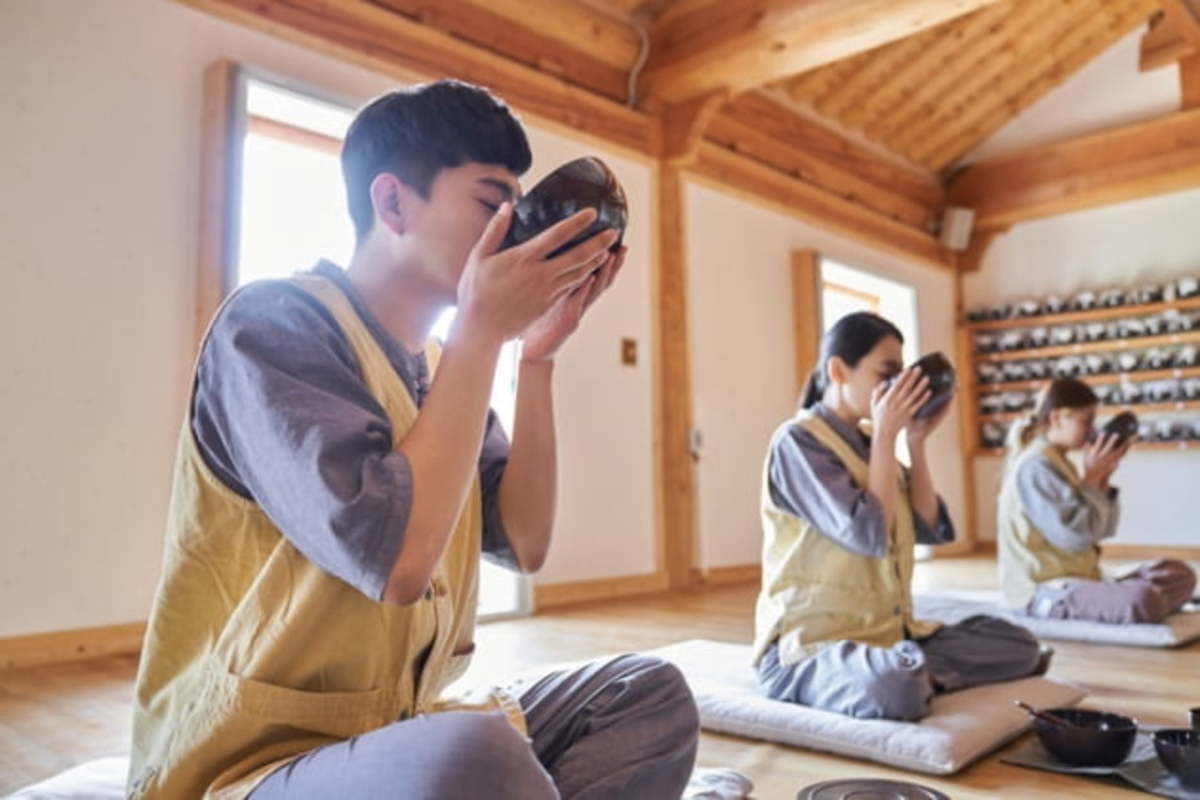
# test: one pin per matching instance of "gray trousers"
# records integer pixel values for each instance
(1151, 593)
(898, 682)
(623, 728)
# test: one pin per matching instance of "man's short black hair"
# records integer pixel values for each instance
(414, 133)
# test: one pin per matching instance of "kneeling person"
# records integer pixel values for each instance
(834, 624)
(1052, 518)
(339, 474)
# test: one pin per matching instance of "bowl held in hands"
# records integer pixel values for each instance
(1123, 425)
(576, 185)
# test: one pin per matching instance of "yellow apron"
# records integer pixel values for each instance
(816, 592)
(1027, 558)
(254, 655)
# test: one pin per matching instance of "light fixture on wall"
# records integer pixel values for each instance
(955, 231)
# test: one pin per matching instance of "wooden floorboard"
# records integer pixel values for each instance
(54, 717)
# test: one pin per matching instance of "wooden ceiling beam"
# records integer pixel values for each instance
(1032, 29)
(573, 41)
(682, 126)
(365, 33)
(743, 137)
(863, 82)
(944, 44)
(1145, 159)
(791, 162)
(744, 177)
(811, 86)
(1082, 44)
(702, 46)
(1189, 81)
(760, 111)
(957, 70)
(1174, 35)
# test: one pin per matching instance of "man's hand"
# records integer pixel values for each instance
(545, 335)
(501, 293)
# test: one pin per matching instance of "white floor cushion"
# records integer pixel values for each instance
(1174, 631)
(102, 779)
(962, 727)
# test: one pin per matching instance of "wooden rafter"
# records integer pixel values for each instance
(573, 41)
(862, 82)
(1149, 158)
(743, 137)
(1001, 56)
(895, 79)
(702, 46)
(379, 38)
(935, 96)
(1173, 36)
(1189, 81)
(772, 118)
(763, 184)
(1078, 47)
(918, 85)
(805, 88)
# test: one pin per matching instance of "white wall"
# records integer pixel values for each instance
(1147, 241)
(1109, 91)
(100, 168)
(743, 365)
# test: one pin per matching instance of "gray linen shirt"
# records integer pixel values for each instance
(281, 415)
(807, 480)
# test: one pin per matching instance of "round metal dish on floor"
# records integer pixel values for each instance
(868, 789)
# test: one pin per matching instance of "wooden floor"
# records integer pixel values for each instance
(54, 717)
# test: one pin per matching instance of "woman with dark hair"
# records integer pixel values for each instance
(834, 623)
(1051, 518)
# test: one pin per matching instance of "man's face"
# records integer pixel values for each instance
(446, 226)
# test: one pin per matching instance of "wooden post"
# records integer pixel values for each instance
(806, 312)
(1189, 79)
(968, 433)
(220, 161)
(673, 383)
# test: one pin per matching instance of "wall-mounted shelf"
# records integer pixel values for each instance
(1189, 444)
(1101, 379)
(1107, 410)
(1100, 346)
(973, 390)
(1091, 315)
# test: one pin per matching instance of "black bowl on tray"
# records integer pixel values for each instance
(1086, 738)
(1124, 425)
(576, 185)
(1179, 751)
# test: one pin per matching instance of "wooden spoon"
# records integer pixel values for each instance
(1042, 715)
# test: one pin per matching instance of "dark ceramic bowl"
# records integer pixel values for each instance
(1124, 425)
(1179, 751)
(940, 372)
(576, 185)
(1089, 738)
